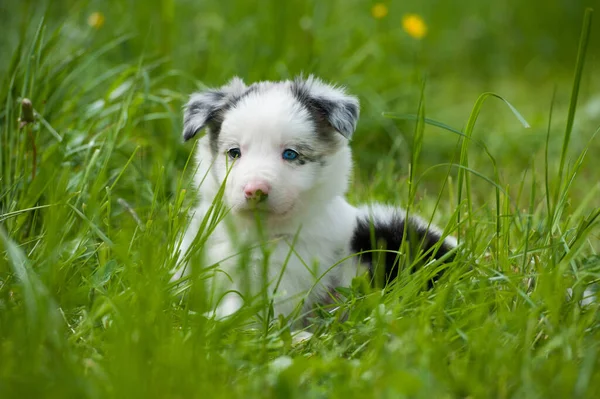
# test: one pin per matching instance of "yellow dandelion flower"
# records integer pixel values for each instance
(96, 20)
(414, 26)
(379, 11)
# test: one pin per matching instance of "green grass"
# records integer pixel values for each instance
(94, 192)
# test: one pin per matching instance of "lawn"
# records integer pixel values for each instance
(95, 188)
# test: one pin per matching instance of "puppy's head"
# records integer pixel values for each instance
(280, 146)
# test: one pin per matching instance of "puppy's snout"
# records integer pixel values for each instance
(257, 191)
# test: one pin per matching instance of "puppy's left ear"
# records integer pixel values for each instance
(328, 103)
(206, 108)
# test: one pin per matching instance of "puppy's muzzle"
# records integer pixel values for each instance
(256, 191)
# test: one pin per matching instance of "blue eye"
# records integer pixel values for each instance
(234, 153)
(289, 155)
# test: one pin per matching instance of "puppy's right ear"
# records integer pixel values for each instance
(205, 108)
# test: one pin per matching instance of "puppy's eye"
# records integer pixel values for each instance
(289, 154)
(234, 153)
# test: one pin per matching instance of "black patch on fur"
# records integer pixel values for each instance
(317, 112)
(327, 114)
(253, 88)
(209, 104)
(215, 124)
(309, 154)
(388, 236)
(213, 104)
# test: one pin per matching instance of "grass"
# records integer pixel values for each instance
(94, 192)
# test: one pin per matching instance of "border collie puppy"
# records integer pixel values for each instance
(277, 155)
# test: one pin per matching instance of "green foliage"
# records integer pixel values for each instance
(94, 192)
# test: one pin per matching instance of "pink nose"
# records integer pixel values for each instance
(256, 190)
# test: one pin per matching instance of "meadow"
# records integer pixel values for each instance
(481, 116)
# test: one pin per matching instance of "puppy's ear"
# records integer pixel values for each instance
(205, 108)
(328, 103)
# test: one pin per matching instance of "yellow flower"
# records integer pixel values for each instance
(379, 11)
(414, 26)
(96, 20)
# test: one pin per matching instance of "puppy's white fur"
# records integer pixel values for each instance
(305, 224)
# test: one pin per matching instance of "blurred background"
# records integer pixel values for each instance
(382, 51)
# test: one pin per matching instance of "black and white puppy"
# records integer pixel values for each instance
(280, 151)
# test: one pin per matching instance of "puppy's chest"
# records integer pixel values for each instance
(306, 258)
(296, 256)
(297, 267)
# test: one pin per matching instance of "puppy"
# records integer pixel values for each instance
(276, 155)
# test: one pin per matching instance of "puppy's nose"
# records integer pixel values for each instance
(256, 191)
